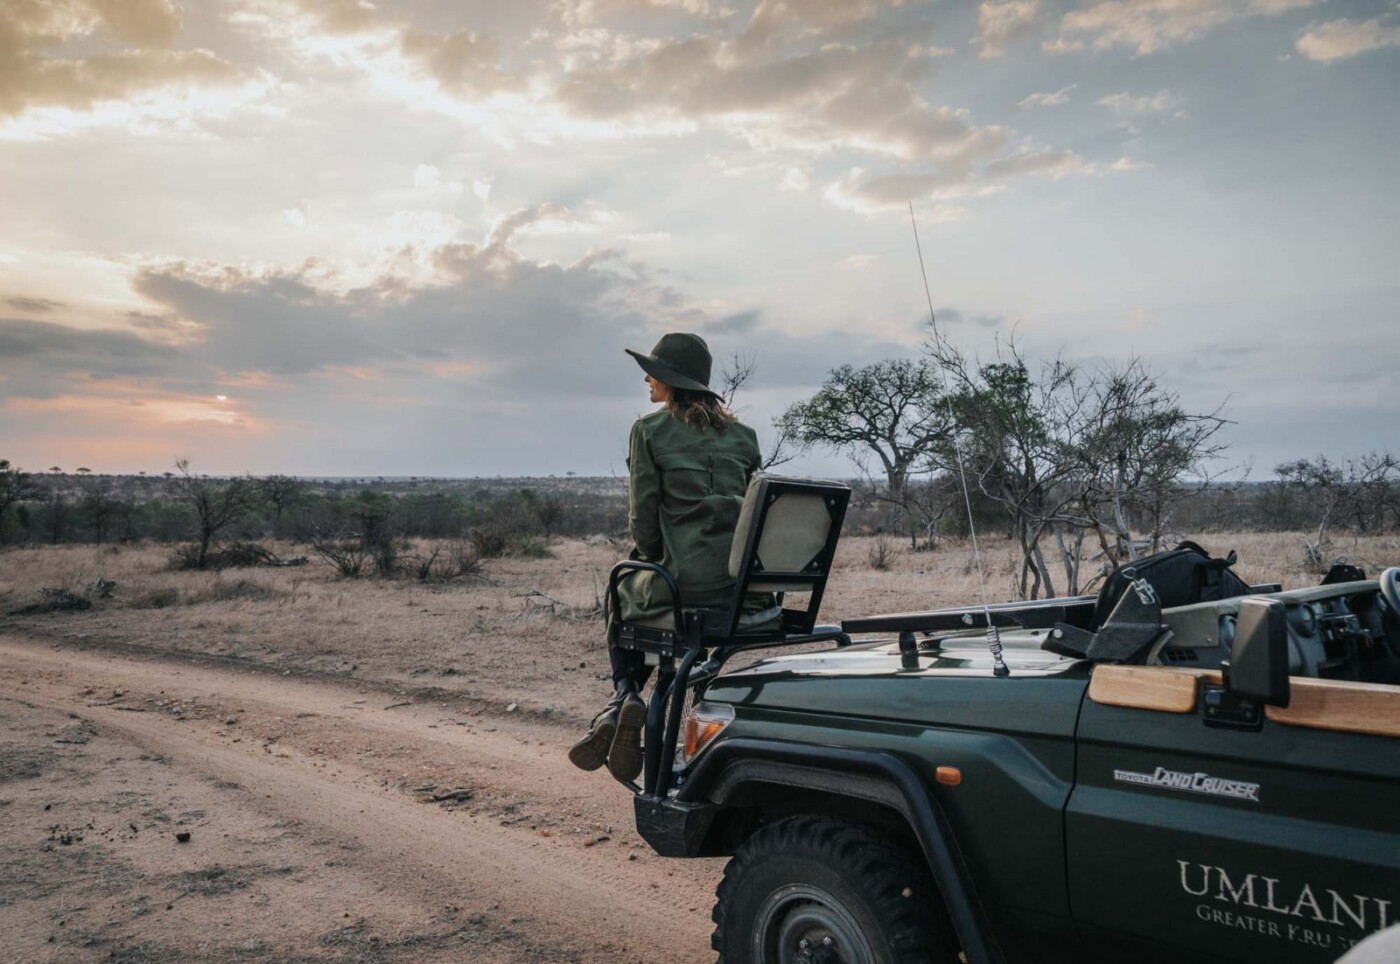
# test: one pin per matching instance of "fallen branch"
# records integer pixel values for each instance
(461, 794)
(558, 608)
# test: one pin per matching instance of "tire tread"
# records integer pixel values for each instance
(871, 862)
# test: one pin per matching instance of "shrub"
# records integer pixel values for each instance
(162, 598)
(347, 554)
(387, 553)
(465, 560)
(186, 557)
(53, 600)
(879, 554)
(489, 541)
(531, 547)
(222, 591)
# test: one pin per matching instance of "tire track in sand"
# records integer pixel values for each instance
(600, 909)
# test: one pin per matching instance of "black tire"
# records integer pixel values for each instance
(813, 878)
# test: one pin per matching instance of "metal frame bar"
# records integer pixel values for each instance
(1039, 614)
(636, 565)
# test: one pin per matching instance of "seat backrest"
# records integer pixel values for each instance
(786, 537)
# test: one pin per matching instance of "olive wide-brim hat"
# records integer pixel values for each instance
(680, 359)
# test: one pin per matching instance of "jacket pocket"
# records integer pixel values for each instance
(686, 477)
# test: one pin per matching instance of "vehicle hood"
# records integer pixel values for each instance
(953, 686)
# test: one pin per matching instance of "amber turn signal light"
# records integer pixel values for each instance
(702, 724)
(948, 776)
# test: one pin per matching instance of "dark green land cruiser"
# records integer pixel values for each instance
(1123, 778)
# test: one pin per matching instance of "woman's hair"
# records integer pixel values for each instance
(700, 409)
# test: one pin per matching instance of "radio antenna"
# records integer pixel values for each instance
(999, 667)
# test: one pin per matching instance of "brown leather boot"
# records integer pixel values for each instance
(591, 752)
(625, 756)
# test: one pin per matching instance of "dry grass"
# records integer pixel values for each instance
(484, 639)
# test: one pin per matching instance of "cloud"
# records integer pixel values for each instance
(999, 22)
(1048, 163)
(428, 177)
(399, 58)
(795, 179)
(1146, 26)
(506, 228)
(836, 95)
(1164, 103)
(485, 307)
(768, 15)
(485, 348)
(861, 191)
(1051, 99)
(579, 12)
(953, 316)
(31, 77)
(813, 78)
(808, 77)
(147, 23)
(1125, 164)
(771, 16)
(463, 63)
(1339, 39)
(33, 306)
(341, 16)
(32, 350)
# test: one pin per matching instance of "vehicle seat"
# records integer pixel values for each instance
(784, 543)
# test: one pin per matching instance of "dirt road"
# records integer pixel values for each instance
(313, 829)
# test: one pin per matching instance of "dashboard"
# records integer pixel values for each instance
(1341, 631)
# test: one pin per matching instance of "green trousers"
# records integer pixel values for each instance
(645, 595)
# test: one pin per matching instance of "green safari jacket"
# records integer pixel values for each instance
(686, 485)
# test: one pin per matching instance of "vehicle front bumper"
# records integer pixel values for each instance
(673, 829)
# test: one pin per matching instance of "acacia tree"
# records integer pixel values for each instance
(374, 512)
(98, 508)
(1138, 446)
(547, 509)
(216, 504)
(281, 492)
(15, 486)
(1360, 493)
(1012, 429)
(1070, 452)
(892, 410)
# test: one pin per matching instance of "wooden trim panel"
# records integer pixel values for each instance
(1331, 704)
(1321, 704)
(1160, 688)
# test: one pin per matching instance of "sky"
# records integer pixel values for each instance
(413, 237)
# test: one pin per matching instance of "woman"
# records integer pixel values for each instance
(688, 465)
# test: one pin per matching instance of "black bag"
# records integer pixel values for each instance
(1180, 576)
(1343, 572)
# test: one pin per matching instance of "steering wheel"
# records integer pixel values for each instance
(1390, 588)
(1390, 592)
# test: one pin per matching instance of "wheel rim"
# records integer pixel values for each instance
(801, 924)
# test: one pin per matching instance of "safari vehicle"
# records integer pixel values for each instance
(1125, 779)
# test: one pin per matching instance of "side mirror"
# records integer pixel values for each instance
(1258, 667)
